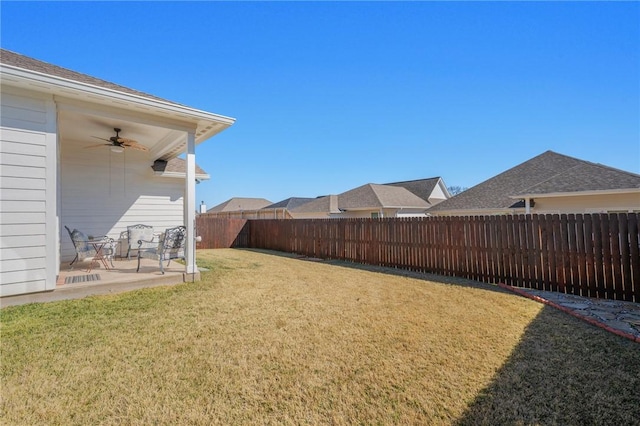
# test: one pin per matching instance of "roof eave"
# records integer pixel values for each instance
(577, 193)
(39, 81)
(181, 175)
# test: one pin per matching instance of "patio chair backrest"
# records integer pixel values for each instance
(79, 240)
(137, 233)
(171, 245)
(173, 241)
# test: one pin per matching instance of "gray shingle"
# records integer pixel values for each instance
(548, 172)
(8, 57)
(290, 203)
(586, 177)
(373, 196)
(240, 204)
(423, 188)
(321, 204)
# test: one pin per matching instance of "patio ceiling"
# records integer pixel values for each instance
(88, 106)
(162, 142)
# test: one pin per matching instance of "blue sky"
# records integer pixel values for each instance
(329, 96)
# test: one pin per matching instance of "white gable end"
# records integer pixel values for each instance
(438, 194)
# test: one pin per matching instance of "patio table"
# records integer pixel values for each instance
(98, 245)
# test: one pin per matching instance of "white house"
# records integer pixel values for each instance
(58, 166)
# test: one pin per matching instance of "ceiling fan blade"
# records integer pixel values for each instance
(96, 146)
(126, 140)
(102, 139)
(118, 141)
(136, 146)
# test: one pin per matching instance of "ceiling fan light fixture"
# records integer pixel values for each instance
(117, 149)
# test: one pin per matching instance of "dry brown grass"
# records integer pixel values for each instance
(268, 339)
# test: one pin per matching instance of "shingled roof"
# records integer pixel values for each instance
(324, 204)
(366, 197)
(586, 177)
(423, 188)
(374, 196)
(240, 204)
(176, 166)
(17, 60)
(289, 203)
(546, 173)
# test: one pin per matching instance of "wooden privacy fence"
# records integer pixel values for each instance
(221, 233)
(590, 255)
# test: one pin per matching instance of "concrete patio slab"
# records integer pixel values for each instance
(79, 282)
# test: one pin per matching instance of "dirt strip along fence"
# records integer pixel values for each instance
(593, 255)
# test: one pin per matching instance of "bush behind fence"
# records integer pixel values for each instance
(594, 255)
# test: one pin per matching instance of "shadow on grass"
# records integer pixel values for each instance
(563, 372)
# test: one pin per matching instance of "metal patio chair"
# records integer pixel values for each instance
(137, 233)
(84, 250)
(170, 246)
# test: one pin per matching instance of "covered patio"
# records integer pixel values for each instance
(79, 281)
(93, 156)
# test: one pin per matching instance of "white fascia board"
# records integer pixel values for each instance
(577, 193)
(443, 187)
(49, 83)
(182, 175)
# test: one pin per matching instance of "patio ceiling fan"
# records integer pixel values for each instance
(118, 143)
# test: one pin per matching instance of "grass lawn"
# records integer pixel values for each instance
(269, 339)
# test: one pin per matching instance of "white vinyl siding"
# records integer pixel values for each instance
(103, 192)
(28, 224)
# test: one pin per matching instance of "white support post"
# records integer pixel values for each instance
(52, 197)
(190, 206)
(527, 205)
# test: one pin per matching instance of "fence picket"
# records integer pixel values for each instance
(634, 255)
(606, 256)
(614, 244)
(591, 255)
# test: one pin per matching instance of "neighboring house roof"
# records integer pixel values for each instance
(177, 167)
(586, 177)
(546, 173)
(374, 196)
(423, 188)
(326, 204)
(289, 203)
(366, 197)
(240, 204)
